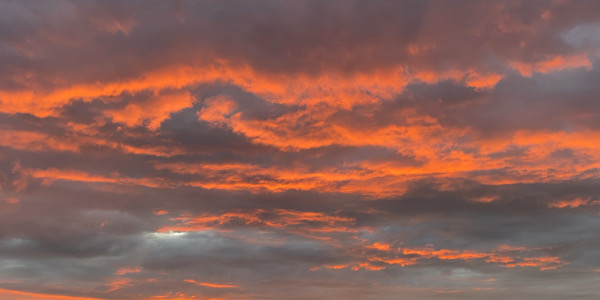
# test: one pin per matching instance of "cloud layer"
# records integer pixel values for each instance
(299, 149)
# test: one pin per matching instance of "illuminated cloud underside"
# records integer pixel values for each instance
(299, 149)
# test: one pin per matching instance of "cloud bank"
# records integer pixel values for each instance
(299, 149)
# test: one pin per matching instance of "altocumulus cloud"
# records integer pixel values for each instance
(299, 149)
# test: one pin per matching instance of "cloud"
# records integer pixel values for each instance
(339, 149)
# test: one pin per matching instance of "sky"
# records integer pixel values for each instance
(299, 149)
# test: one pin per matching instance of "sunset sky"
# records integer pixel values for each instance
(299, 149)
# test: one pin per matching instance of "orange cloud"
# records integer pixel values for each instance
(480, 81)
(46, 103)
(217, 109)
(288, 90)
(279, 218)
(366, 266)
(336, 267)
(543, 263)
(422, 136)
(128, 270)
(234, 176)
(485, 199)
(34, 141)
(52, 174)
(11, 200)
(380, 246)
(118, 284)
(555, 63)
(153, 111)
(372, 178)
(80, 136)
(395, 261)
(20, 295)
(212, 285)
(502, 255)
(505, 256)
(334, 89)
(388, 178)
(569, 203)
